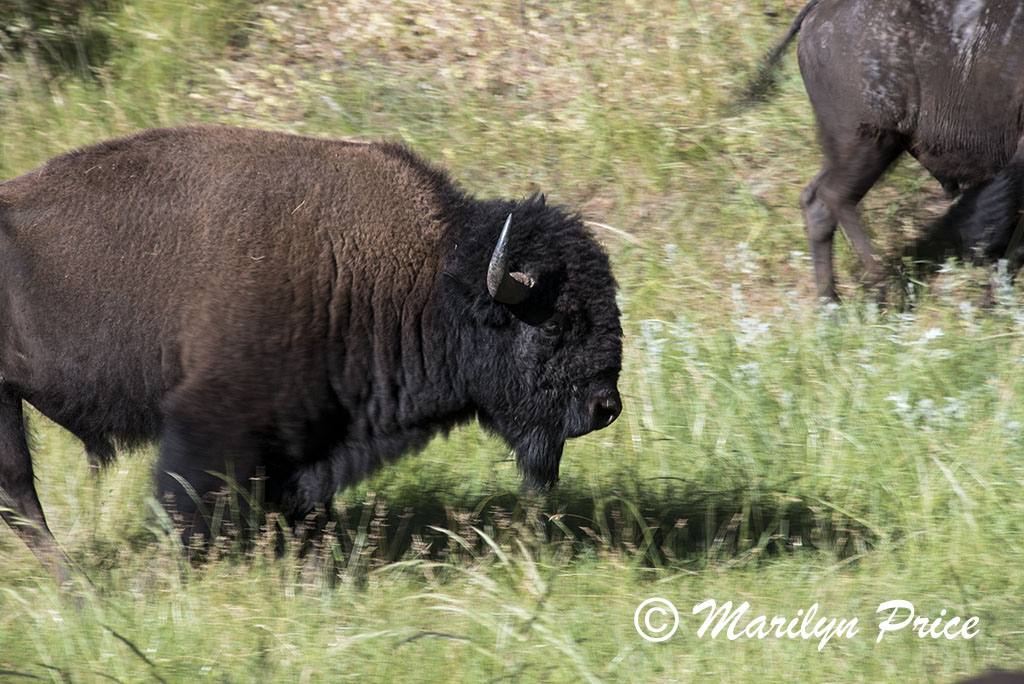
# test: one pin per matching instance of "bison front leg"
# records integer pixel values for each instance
(19, 503)
(208, 475)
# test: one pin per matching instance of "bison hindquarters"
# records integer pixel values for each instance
(940, 80)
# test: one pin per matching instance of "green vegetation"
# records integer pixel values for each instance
(770, 451)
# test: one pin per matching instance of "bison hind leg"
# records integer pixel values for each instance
(19, 503)
(820, 225)
(852, 166)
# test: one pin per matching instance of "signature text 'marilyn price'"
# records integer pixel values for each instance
(898, 615)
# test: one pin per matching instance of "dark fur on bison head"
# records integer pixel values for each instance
(558, 352)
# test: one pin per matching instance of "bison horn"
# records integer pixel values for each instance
(505, 287)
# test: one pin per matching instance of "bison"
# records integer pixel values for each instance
(294, 310)
(987, 222)
(996, 677)
(940, 79)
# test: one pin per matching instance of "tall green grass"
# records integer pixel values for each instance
(770, 450)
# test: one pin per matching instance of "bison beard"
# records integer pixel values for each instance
(539, 449)
(290, 310)
(538, 455)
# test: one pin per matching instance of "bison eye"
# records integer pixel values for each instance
(552, 327)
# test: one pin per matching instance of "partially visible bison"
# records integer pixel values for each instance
(289, 308)
(940, 79)
(996, 677)
(987, 222)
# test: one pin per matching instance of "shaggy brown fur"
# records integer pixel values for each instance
(298, 309)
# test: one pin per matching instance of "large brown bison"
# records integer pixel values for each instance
(940, 79)
(288, 308)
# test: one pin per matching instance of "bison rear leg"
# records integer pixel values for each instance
(820, 225)
(19, 503)
(849, 171)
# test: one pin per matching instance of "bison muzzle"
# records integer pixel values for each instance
(289, 309)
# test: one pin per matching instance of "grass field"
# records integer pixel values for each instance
(771, 450)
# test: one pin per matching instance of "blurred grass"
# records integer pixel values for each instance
(769, 451)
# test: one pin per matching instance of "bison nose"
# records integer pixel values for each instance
(605, 407)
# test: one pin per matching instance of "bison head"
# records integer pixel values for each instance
(543, 346)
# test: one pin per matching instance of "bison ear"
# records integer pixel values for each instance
(506, 287)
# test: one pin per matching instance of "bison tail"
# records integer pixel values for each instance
(766, 80)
